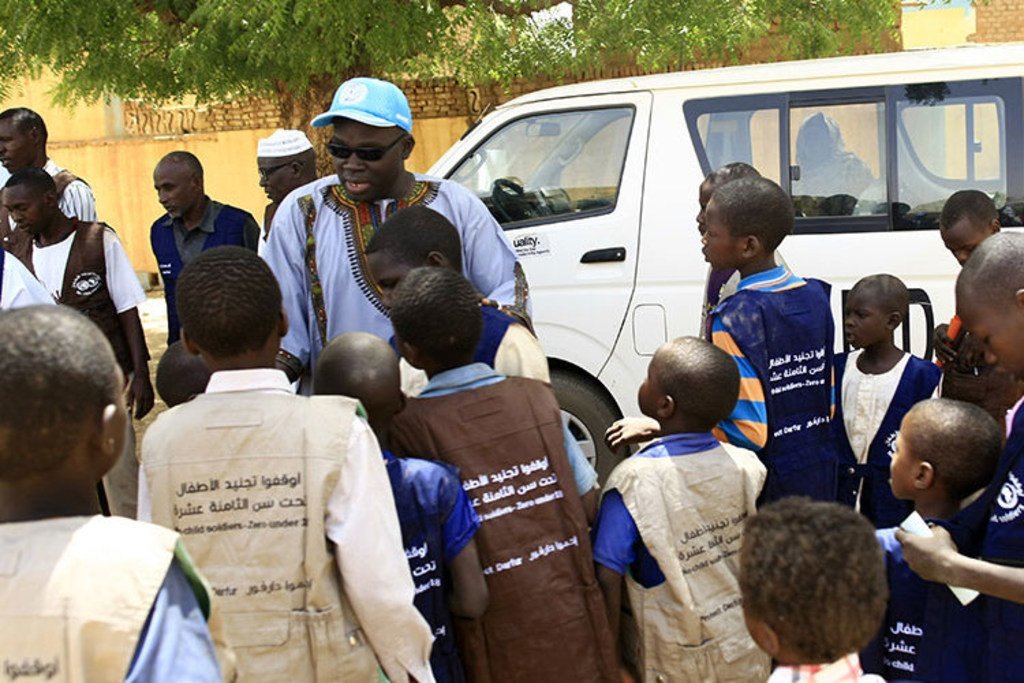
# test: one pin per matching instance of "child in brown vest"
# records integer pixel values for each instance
(545, 620)
(283, 499)
(82, 597)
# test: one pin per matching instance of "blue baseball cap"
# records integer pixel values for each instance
(370, 101)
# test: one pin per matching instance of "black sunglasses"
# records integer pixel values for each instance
(340, 151)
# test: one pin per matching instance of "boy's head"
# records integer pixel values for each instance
(875, 307)
(229, 305)
(968, 218)
(990, 300)
(180, 375)
(30, 196)
(746, 219)
(413, 237)
(813, 581)
(946, 449)
(64, 415)
(363, 366)
(437, 319)
(691, 385)
(717, 178)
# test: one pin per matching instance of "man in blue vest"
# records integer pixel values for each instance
(193, 223)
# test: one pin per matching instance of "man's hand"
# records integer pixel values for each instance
(139, 395)
(931, 557)
(631, 430)
(944, 350)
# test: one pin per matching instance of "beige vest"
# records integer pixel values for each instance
(245, 478)
(690, 511)
(75, 593)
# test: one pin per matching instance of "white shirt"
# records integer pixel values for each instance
(362, 521)
(50, 262)
(866, 400)
(77, 200)
(19, 287)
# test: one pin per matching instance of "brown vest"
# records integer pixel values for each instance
(85, 282)
(546, 618)
(61, 180)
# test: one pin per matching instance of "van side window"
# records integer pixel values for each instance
(838, 159)
(946, 143)
(551, 166)
(750, 136)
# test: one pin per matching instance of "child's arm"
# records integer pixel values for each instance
(747, 425)
(469, 595)
(140, 392)
(935, 558)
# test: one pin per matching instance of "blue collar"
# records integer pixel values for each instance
(458, 379)
(679, 444)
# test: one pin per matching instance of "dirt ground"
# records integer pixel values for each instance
(154, 323)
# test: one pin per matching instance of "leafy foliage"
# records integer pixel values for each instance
(165, 49)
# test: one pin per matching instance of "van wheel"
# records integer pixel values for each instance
(589, 413)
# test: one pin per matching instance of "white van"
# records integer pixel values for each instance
(596, 184)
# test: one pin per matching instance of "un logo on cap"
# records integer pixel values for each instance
(352, 93)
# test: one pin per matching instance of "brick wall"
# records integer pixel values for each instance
(998, 21)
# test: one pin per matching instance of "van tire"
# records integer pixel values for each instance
(590, 412)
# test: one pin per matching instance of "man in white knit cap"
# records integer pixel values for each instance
(286, 160)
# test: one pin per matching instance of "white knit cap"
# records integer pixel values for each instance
(283, 143)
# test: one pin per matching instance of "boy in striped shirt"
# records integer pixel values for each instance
(778, 329)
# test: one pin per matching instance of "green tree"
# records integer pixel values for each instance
(301, 49)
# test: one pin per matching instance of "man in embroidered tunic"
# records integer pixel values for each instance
(317, 246)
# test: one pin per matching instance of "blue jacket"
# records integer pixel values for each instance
(229, 230)
(876, 501)
(788, 336)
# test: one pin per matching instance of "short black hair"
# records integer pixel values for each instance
(702, 379)
(755, 206)
(960, 440)
(815, 574)
(188, 159)
(730, 172)
(36, 180)
(180, 376)
(974, 205)
(229, 301)
(438, 311)
(410, 234)
(886, 291)
(57, 374)
(993, 273)
(25, 120)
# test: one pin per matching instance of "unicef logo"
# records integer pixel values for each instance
(352, 93)
(1009, 496)
(86, 284)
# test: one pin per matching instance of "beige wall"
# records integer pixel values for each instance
(89, 141)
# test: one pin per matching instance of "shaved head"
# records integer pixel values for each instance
(885, 291)
(365, 367)
(994, 272)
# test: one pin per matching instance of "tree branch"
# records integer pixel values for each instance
(506, 8)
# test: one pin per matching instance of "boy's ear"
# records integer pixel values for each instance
(893, 320)
(188, 343)
(924, 476)
(763, 634)
(994, 226)
(666, 407)
(438, 260)
(111, 437)
(751, 246)
(410, 353)
(282, 324)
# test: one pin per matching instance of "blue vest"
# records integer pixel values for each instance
(788, 336)
(893, 653)
(424, 498)
(917, 383)
(2, 252)
(228, 230)
(983, 641)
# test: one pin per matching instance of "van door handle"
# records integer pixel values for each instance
(611, 254)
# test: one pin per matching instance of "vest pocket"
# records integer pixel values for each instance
(339, 648)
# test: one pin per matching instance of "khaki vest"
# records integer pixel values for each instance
(690, 511)
(546, 619)
(85, 282)
(75, 593)
(245, 478)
